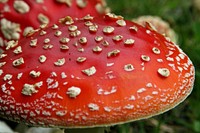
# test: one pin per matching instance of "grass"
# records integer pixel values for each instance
(184, 18)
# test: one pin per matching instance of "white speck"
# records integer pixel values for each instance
(108, 29)
(106, 92)
(93, 28)
(24, 116)
(49, 81)
(28, 90)
(58, 33)
(132, 98)
(38, 84)
(72, 76)
(117, 38)
(81, 49)
(148, 31)
(75, 33)
(180, 69)
(72, 28)
(10, 82)
(143, 68)
(170, 59)
(83, 40)
(129, 42)
(109, 75)
(61, 113)
(178, 58)
(129, 106)
(43, 32)
(65, 83)
(170, 53)
(182, 56)
(32, 114)
(47, 46)
(53, 74)
(98, 38)
(159, 60)
(100, 90)
(21, 6)
(18, 50)
(46, 113)
(43, 19)
(42, 58)
(113, 16)
(90, 71)
(107, 109)
(7, 77)
(164, 72)
(73, 91)
(148, 97)
(55, 26)
(129, 67)
(133, 28)
(113, 53)
(46, 40)
(2, 55)
(33, 43)
(81, 59)
(187, 75)
(19, 75)
(109, 64)
(154, 92)
(105, 43)
(141, 90)
(3, 87)
(63, 75)
(173, 66)
(18, 62)
(34, 74)
(64, 40)
(163, 99)
(88, 23)
(121, 22)
(93, 107)
(87, 17)
(54, 85)
(145, 58)
(113, 90)
(64, 47)
(60, 62)
(97, 49)
(1, 72)
(2, 64)
(71, 114)
(155, 50)
(149, 85)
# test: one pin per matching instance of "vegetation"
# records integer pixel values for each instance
(184, 18)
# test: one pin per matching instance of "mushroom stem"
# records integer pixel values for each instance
(88, 130)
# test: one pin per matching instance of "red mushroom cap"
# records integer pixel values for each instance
(18, 17)
(92, 72)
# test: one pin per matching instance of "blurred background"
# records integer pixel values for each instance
(183, 16)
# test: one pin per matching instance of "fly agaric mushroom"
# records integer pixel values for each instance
(96, 72)
(158, 24)
(18, 17)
